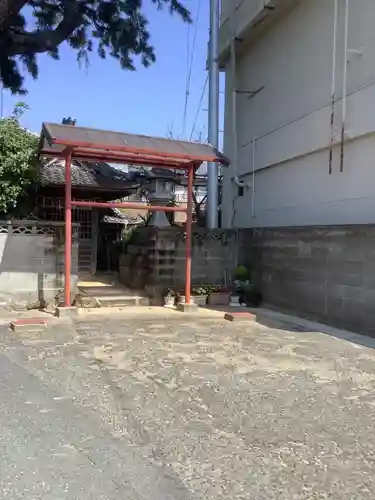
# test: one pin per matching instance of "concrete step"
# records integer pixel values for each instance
(123, 300)
(91, 297)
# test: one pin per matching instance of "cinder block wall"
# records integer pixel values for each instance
(327, 273)
(32, 263)
(157, 258)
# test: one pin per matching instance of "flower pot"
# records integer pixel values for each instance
(169, 301)
(200, 300)
(235, 301)
(181, 299)
(218, 299)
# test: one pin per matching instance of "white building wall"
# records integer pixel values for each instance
(291, 119)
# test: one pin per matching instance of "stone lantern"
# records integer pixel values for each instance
(160, 192)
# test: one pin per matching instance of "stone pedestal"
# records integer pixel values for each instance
(188, 308)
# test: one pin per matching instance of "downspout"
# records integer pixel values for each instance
(333, 87)
(344, 84)
(234, 161)
(253, 179)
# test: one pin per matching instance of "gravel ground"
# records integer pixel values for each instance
(217, 410)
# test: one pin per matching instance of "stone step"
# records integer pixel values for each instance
(93, 297)
(123, 300)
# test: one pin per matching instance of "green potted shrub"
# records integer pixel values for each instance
(241, 274)
(241, 282)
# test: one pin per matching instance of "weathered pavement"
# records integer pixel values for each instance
(160, 407)
(51, 450)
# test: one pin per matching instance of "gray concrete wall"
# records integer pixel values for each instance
(32, 263)
(157, 258)
(327, 273)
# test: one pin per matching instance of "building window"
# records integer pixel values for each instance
(240, 190)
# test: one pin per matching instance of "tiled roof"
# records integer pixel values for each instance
(94, 175)
(116, 216)
(54, 136)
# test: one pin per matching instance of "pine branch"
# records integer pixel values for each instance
(9, 9)
(23, 42)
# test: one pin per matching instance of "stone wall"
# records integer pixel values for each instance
(32, 262)
(155, 259)
(327, 273)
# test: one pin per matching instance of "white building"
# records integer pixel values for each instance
(286, 56)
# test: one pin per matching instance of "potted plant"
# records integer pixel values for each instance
(241, 283)
(200, 295)
(181, 298)
(218, 295)
(252, 296)
(170, 298)
(242, 274)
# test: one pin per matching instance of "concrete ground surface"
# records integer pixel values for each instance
(145, 406)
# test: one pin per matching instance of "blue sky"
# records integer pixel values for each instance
(148, 101)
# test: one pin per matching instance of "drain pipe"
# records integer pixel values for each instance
(254, 142)
(333, 87)
(234, 159)
(344, 85)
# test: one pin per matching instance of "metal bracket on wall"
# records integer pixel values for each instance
(250, 93)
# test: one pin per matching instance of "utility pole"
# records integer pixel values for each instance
(213, 115)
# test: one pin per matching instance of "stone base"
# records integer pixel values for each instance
(239, 316)
(187, 308)
(29, 325)
(66, 312)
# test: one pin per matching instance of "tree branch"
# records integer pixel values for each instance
(43, 41)
(9, 9)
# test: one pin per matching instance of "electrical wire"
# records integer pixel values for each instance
(360, 88)
(189, 66)
(199, 108)
(309, 113)
(187, 78)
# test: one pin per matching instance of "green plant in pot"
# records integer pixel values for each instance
(251, 295)
(241, 281)
(241, 274)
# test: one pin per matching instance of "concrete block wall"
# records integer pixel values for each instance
(156, 258)
(327, 273)
(32, 263)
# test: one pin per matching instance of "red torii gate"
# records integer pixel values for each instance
(94, 145)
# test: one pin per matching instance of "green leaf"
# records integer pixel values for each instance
(18, 162)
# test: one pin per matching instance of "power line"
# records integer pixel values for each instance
(199, 107)
(189, 68)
